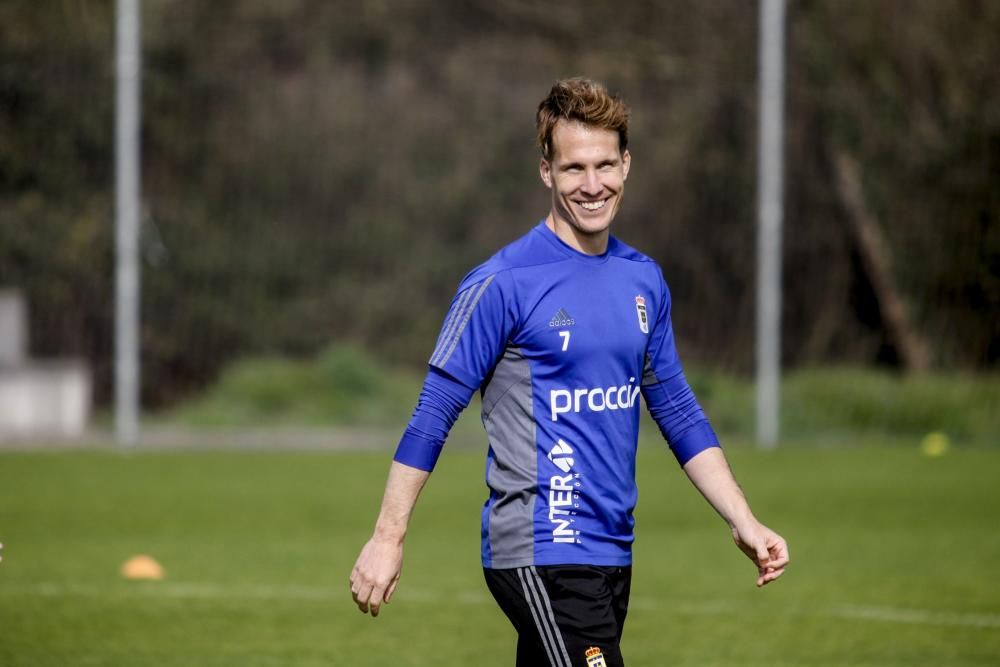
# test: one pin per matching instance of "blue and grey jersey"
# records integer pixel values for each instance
(560, 345)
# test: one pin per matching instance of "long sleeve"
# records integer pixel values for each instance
(682, 422)
(441, 401)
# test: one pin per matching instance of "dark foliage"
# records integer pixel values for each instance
(328, 170)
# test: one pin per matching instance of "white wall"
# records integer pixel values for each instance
(44, 399)
(13, 328)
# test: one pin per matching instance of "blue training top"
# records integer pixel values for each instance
(560, 344)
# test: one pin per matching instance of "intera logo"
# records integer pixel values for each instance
(564, 494)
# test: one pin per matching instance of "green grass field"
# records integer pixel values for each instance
(896, 561)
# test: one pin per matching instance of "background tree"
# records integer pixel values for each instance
(319, 171)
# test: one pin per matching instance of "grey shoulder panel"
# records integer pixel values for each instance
(648, 374)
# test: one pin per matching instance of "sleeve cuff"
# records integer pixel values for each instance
(417, 452)
(694, 441)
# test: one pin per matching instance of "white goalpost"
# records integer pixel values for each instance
(127, 207)
(769, 212)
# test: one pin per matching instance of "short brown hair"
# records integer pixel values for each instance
(582, 100)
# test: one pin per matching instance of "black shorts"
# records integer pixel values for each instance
(565, 615)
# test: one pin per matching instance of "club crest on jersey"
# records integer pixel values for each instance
(640, 309)
(595, 658)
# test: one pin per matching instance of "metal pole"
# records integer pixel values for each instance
(127, 203)
(769, 202)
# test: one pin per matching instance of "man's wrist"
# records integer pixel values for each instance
(741, 519)
(394, 535)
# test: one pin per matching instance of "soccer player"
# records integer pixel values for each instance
(561, 331)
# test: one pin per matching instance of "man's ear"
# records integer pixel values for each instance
(545, 171)
(626, 163)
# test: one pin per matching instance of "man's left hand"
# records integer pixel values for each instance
(765, 548)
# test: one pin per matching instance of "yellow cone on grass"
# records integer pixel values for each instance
(142, 567)
(935, 443)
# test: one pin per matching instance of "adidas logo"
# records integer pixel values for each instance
(561, 319)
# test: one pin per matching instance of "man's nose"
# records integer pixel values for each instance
(592, 183)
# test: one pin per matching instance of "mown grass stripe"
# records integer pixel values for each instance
(183, 590)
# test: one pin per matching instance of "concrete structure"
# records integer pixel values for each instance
(39, 399)
(13, 329)
(44, 400)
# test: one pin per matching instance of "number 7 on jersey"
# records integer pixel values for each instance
(565, 336)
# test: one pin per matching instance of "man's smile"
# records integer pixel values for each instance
(594, 205)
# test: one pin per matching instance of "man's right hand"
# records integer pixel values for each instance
(376, 573)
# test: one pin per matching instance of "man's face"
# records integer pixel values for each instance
(586, 176)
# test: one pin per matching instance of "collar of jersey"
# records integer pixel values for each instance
(571, 252)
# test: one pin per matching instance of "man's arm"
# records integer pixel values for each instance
(378, 567)
(710, 473)
(473, 337)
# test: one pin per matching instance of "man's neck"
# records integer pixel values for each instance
(588, 244)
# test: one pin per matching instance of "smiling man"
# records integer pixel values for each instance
(561, 331)
(587, 180)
